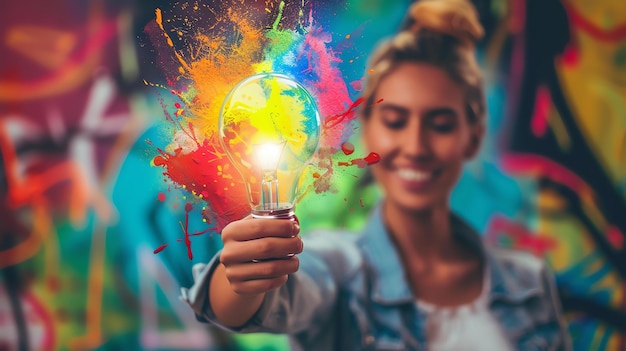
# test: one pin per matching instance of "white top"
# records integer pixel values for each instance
(467, 327)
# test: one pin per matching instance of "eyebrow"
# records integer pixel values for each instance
(437, 111)
(392, 107)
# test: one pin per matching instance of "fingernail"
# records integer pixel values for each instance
(296, 228)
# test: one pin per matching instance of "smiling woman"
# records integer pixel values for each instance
(422, 133)
(418, 277)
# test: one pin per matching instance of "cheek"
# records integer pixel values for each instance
(376, 139)
(451, 149)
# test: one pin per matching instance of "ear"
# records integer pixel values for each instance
(476, 139)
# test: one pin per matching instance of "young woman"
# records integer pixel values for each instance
(418, 277)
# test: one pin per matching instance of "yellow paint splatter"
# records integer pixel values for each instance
(219, 69)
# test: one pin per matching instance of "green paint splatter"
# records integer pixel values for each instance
(280, 40)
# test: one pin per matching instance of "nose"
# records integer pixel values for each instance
(415, 140)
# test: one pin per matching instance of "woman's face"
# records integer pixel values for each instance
(422, 133)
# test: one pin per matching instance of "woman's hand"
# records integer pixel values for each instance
(259, 254)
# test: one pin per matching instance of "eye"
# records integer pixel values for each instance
(397, 124)
(443, 127)
(443, 123)
(393, 119)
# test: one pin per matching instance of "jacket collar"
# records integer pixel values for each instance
(388, 277)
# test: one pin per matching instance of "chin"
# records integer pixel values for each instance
(416, 205)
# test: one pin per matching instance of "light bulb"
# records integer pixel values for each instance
(269, 127)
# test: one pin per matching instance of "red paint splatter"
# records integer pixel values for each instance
(615, 237)
(571, 56)
(159, 249)
(522, 238)
(188, 208)
(372, 158)
(347, 148)
(369, 160)
(206, 172)
(543, 101)
(161, 197)
(615, 34)
(316, 175)
(159, 161)
(187, 234)
(177, 105)
(344, 117)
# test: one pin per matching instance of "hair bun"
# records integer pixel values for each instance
(457, 18)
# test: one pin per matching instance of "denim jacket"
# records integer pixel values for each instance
(350, 293)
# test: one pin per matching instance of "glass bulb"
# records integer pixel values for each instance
(269, 127)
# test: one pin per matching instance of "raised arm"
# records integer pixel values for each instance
(257, 257)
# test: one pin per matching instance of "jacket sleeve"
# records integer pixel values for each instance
(305, 301)
(549, 286)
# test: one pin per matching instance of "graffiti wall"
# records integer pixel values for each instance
(112, 184)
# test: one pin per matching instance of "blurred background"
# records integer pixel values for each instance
(92, 251)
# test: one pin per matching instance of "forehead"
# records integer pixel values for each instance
(418, 85)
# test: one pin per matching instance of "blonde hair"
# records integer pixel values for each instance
(443, 33)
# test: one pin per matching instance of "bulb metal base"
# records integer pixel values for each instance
(285, 211)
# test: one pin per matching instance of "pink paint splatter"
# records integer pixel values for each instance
(539, 165)
(344, 117)
(357, 84)
(161, 197)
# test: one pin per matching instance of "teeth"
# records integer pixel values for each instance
(413, 175)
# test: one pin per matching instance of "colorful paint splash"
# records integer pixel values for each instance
(187, 235)
(236, 45)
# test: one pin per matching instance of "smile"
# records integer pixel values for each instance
(414, 175)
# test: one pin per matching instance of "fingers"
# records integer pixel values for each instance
(260, 249)
(250, 229)
(257, 278)
(260, 286)
(258, 254)
(262, 270)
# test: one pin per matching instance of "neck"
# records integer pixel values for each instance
(426, 235)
